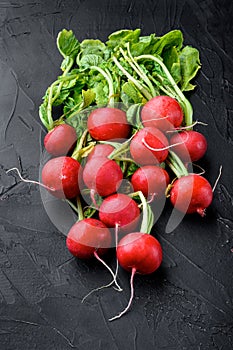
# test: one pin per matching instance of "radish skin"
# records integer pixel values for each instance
(60, 140)
(191, 194)
(102, 175)
(151, 180)
(162, 112)
(189, 145)
(108, 124)
(88, 236)
(119, 209)
(100, 150)
(153, 138)
(64, 176)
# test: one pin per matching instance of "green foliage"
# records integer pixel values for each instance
(67, 44)
(127, 68)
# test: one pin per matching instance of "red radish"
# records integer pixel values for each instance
(108, 124)
(162, 112)
(149, 138)
(88, 236)
(60, 140)
(119, 209)
(191, 194)
(102, 175)
(141, 253)
(192, 147)
(63, 176)
(151, 180)
(100, 150)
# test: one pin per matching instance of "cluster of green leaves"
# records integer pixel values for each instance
(127, 68)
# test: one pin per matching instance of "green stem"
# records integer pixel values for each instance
(80, 209)
(66, 71)
(133, 80)
(106, 74)
(121, 150)
(168, 91)
(52, 98)
(79, 146)
(187, 108)
(176, 165)
(147, 214)
(49, 106)
(124, 159)
(138, 69)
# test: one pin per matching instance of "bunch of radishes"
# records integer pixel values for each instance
(113, 209)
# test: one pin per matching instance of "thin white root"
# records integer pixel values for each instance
(163, 148)
(97, 289)
(198, 166)
(109, 269)
(29, 181)
(186, 127)
(218, 178)
(130, 300)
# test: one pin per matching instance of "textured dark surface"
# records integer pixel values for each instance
(187, 304)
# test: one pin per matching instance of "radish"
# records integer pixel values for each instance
(60, 140)
(191, 194)
(192, 147)
(100, 150)
(162, 112)
(102, 175)
(119, 209)
(151, 180)
(149, 146)
(90, 238)
(62, 175)
(87, 238)
(108, 124)
(139, 253)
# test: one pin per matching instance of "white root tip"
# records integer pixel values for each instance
(130, 300)
(29, 181)
(218, 178)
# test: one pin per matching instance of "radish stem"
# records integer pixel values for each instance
(176, 165)
(133, 80)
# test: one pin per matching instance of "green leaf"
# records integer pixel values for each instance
(67, 43)
(88, 97)
(120, 37)
(90, 60)
(92, 46)
(172, 38)
(190, 64)
(144, 45)
(67, 62)
(61, 97)
(43, 114)
(133, 115)
(172, 61)
(132, 92)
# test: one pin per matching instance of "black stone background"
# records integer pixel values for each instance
(187, 304)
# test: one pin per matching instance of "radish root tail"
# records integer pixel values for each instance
(29, 181)
(131, 297)
(118, 287)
